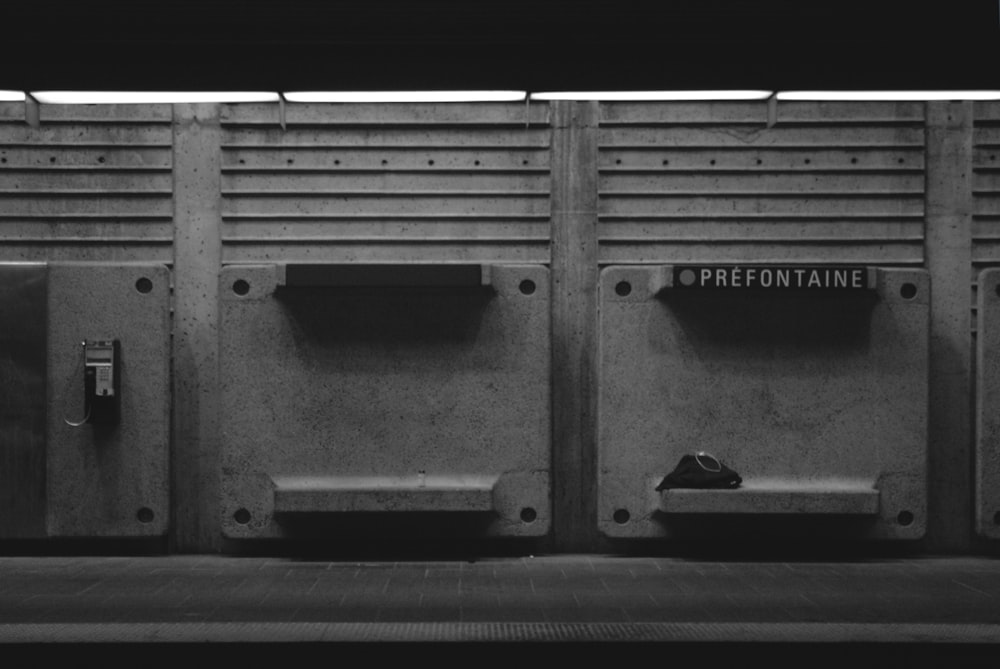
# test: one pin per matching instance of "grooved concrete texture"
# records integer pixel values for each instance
(130, 594)
(262, 633)
(109, 481)
(819, 401)
(988, 406)
(386, 400)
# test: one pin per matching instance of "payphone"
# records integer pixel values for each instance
(101, 382)
(101, 379)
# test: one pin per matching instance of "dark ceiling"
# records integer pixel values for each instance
(540, 45)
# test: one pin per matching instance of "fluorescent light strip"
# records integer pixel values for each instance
(148, 97)
(888, 95)
(652, 95)
(405, 96)
(11, 96)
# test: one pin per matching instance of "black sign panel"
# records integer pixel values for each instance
(771, 277)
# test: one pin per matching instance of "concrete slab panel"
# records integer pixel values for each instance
(988, 405)
(817, 398)
(109, 480)
(343, 391)
(323, 494)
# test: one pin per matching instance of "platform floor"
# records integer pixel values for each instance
(123, 606)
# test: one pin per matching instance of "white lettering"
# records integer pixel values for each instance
(742, 276)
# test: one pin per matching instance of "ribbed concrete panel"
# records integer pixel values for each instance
(986, 184)
(384, 183)
(87, 182)
(737, 182)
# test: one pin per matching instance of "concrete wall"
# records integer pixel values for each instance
(385, 394)
(818, 400)
(66, 474)
(569, 188)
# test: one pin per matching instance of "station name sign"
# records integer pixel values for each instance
(771, 277)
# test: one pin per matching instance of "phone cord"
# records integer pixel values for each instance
(86, 417)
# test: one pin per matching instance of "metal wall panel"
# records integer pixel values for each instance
(733, 182)
(397, 182)
(88, 182)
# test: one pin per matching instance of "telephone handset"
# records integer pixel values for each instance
(101, 382)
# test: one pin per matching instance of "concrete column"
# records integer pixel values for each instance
(949, 261)
(197, 261)
(574, 324)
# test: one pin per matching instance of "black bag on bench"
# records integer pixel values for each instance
(701, 470)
